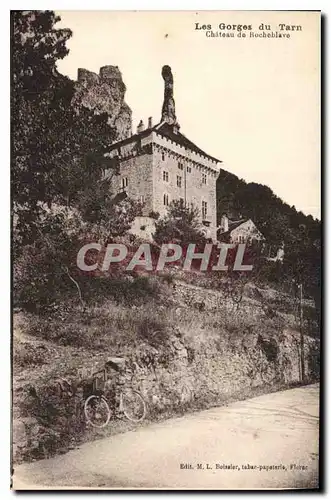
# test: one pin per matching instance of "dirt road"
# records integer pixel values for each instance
(266, 442)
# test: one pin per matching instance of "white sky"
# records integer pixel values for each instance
(252, 103)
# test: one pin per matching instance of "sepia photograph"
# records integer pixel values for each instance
(166, 250)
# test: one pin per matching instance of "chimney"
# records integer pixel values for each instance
(224, 223)
(150, 122)
(141, 127)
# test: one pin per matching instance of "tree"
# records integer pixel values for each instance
(44, 271)
(57, 148)
(279, 223)
(181, 224)
(108, 214)
(37, 94)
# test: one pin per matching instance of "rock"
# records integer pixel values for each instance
(19, 432)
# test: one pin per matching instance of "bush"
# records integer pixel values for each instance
(41, 270)
(110, 327)
(180, 224)
(154, 215)
(153, 330)
(28, 356)
(46, 272)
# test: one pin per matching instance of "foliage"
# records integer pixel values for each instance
(133, 290)
(58, 163)
(27, 355)
(154, 215)
(181, 224)
(46, 272)
(42, 271)
(57, 149)
(279, 223)
(109, 216)
(110, 327)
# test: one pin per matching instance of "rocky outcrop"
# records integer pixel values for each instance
(168, 108)
(104, 93)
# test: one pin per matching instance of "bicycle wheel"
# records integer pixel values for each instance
(133, 405)
(97, 411)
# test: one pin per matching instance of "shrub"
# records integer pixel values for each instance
(41, 272)
(154, 215)
(152, 330)
(180, 224)
(110, 327)
(124, 289)
(269, 347)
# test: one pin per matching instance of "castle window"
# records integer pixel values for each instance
(165, 200)
(124, 182)
(180, 166)
(189, 170)
(142, 198)
(204, 209)
(166, 176)
(179, 181)
(163, 156)
(204, 178)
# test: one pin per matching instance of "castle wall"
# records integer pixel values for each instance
(139, 172)
(193, 190)
(143, 162)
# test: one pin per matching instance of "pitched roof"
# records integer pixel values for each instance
(234, 224)
(167, 131)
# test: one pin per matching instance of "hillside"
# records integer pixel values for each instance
(186, 348)
(279, 223)
(274, 217)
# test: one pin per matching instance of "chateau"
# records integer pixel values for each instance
(158, 164)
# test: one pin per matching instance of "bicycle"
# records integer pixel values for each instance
(98, 411)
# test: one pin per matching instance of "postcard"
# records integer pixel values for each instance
(166, 250)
